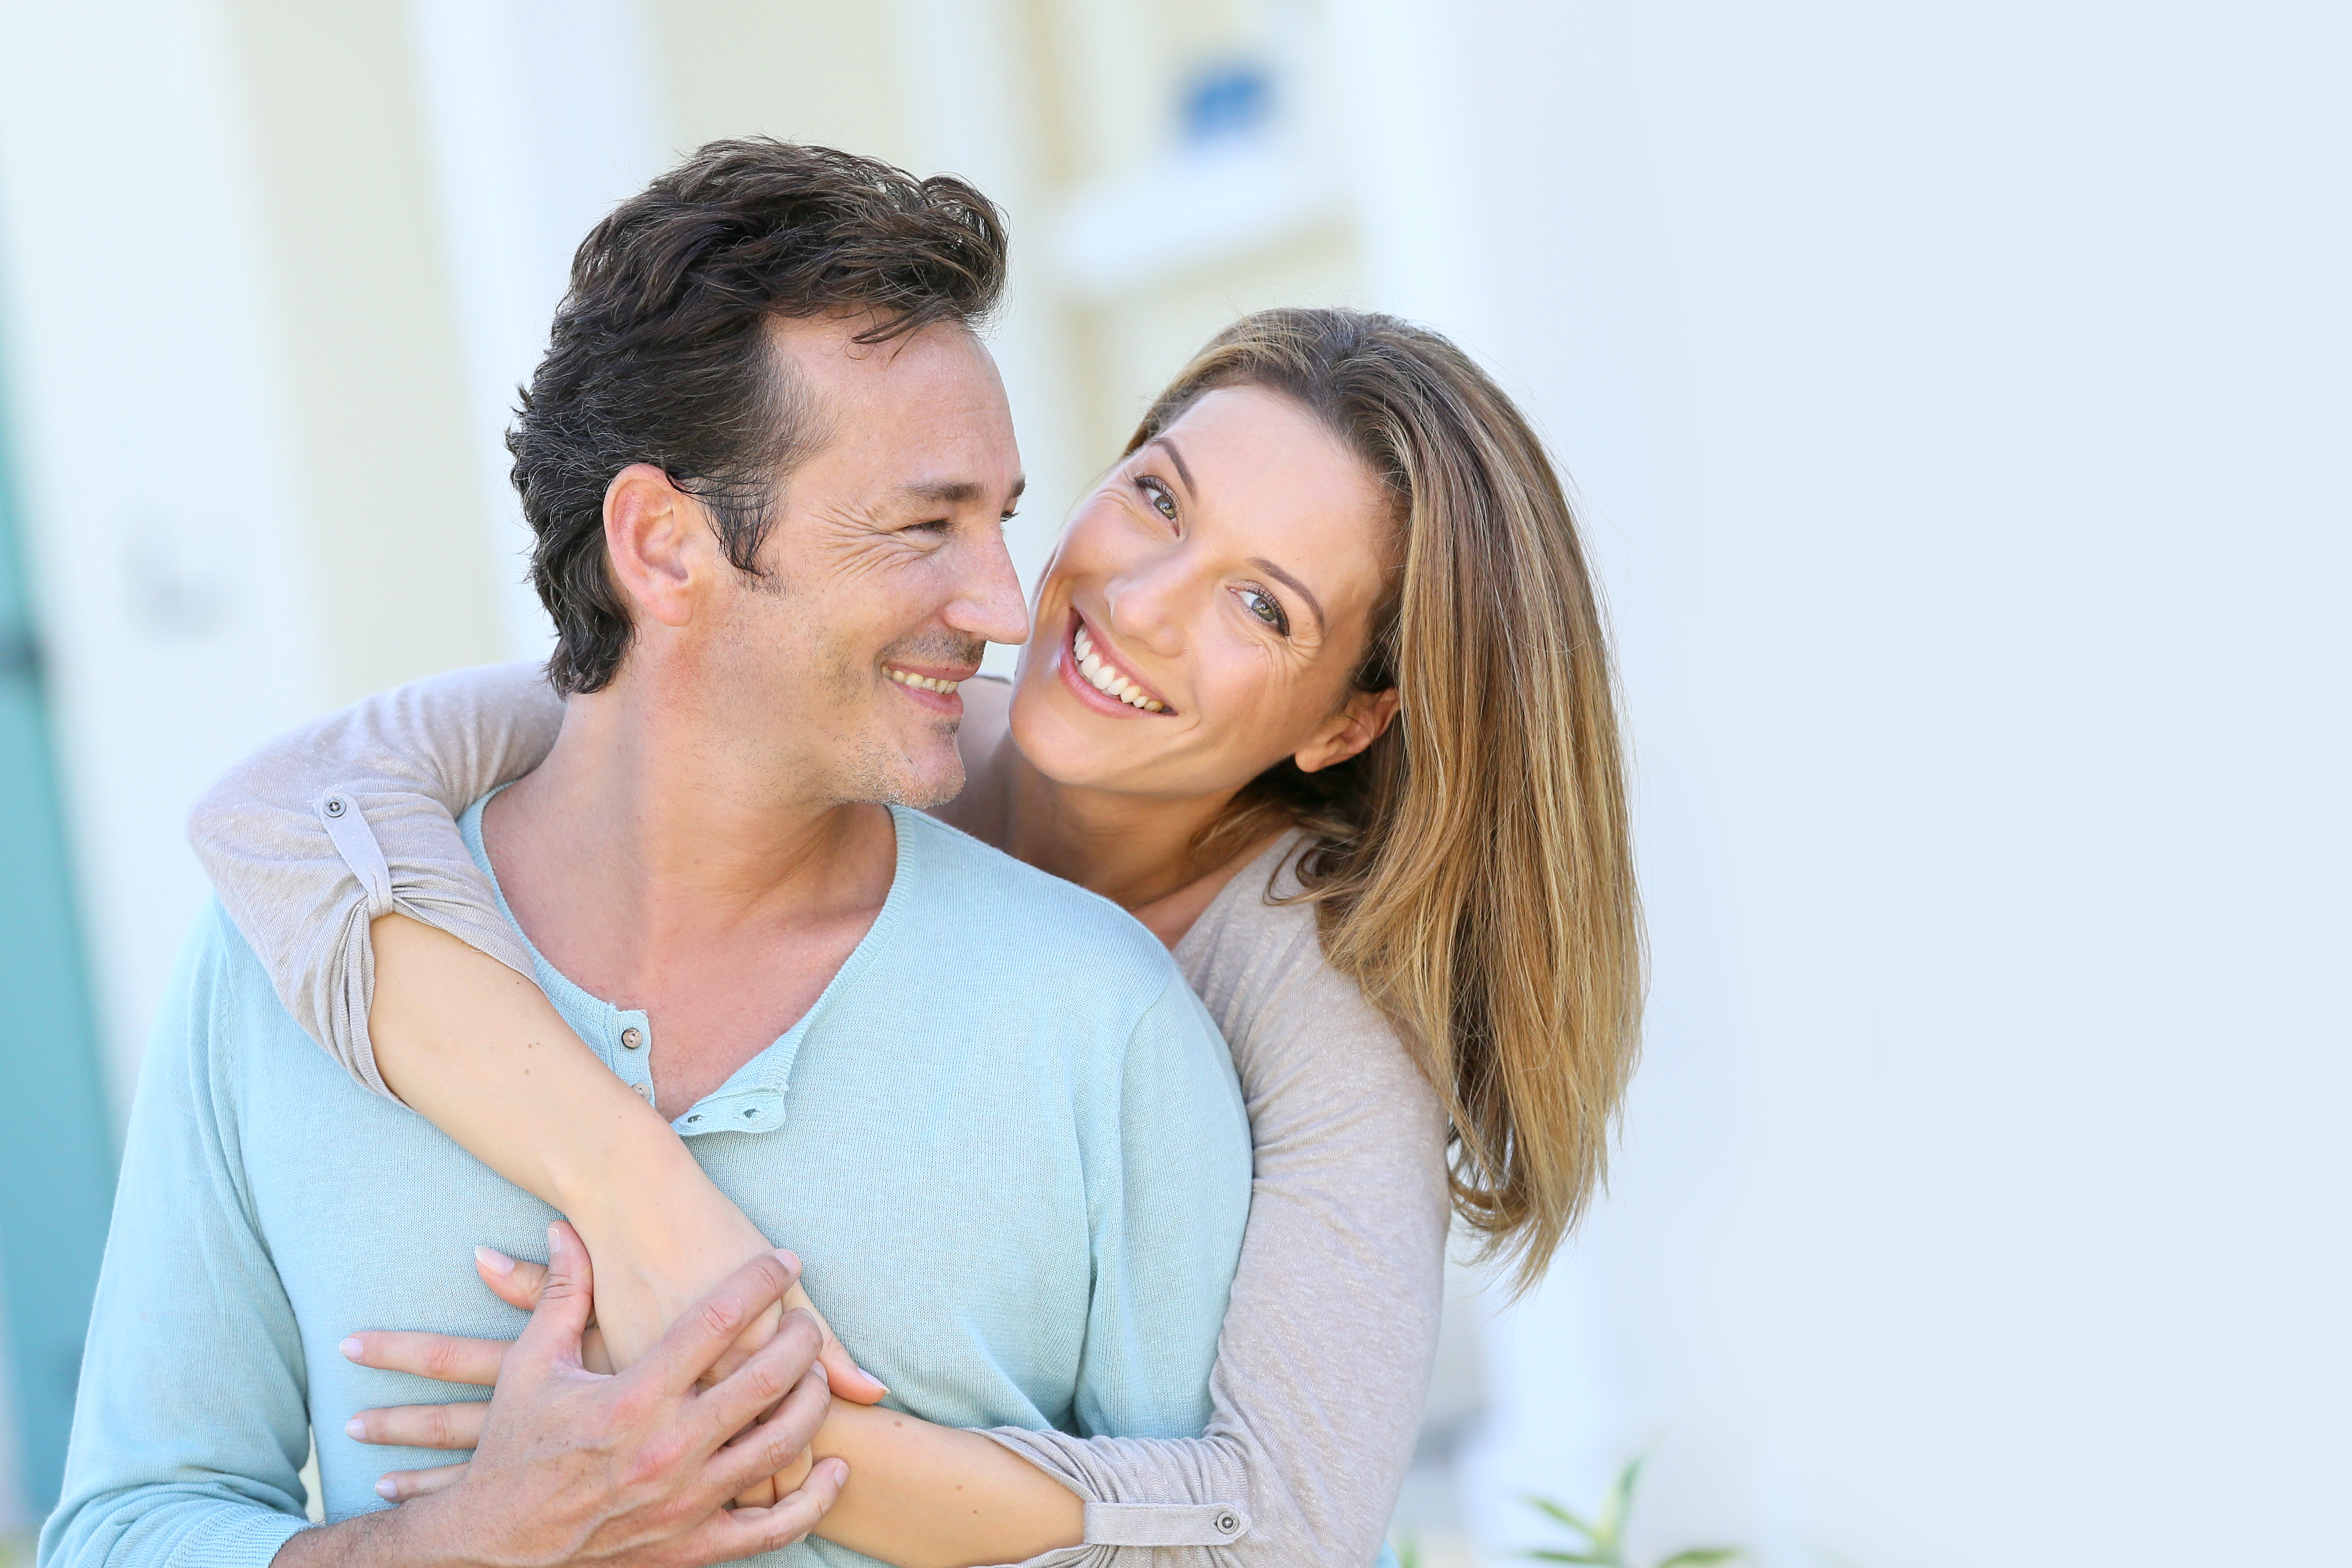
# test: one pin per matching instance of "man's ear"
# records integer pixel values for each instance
(657, 542)
(1349, 731)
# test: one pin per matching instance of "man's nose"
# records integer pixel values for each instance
(987, 603)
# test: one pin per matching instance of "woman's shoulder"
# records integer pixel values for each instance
(1291, 1016)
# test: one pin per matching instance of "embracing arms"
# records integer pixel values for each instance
(1327, 1345)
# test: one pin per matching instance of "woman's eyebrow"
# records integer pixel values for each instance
(1176, 458)
(1295, 585)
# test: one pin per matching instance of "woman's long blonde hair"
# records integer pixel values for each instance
(1474, 870)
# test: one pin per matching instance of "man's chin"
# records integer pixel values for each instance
(921, 783)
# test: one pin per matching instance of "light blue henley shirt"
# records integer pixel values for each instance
(1006, 1143)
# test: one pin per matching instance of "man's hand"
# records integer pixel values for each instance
(578, 1468)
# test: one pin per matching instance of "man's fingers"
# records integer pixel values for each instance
(402, 1485)
(748, 1532)
(445, 1358)
(737, 1400)
(771, 1447)
(514, 1280)
(422, 1426)
(551, 1337)
(705, 1331)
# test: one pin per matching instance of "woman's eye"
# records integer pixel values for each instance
(1157, 494)
(1265, 607)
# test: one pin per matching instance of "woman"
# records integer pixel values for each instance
(1316, 687)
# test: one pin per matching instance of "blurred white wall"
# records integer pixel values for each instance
(1959, 399)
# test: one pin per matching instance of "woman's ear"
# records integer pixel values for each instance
(1347, 731)
(653, 536)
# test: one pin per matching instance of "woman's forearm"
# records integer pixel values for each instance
(480, 1052)
(922, 1495)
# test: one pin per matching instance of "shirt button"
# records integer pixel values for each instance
(632, 1038)
(335, 805)
(1227, 1524)
(646, 1092)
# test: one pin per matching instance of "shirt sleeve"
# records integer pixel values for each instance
(352, 816)
(191, 1423)
(1328, 1342)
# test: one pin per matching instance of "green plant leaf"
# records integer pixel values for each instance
(1610, 1527)
(1699, 1556)
(1543, 1554)
(1558, 1514)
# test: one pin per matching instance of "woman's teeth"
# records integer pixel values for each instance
(1107, 680)
(923, 682)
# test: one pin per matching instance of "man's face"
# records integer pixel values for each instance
(885, 568)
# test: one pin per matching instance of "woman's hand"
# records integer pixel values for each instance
(656, 1252)
(517, 1283)
(457, 1358)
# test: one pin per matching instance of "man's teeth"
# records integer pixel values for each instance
(924, 683)
(1107, 680)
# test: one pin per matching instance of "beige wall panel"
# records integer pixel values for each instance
(383, 466)
(804, 71)
(1135, 345)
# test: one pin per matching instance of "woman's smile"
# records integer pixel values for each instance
(1095, 673)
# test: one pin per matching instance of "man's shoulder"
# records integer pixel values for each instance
(1059, 934)
(220, 1001)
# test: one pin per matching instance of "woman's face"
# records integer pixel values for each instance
(1207, 608)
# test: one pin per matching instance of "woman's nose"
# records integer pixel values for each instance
(1144, 606)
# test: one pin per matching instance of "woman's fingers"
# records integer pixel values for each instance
(399, 1486)
(422, 1426)
(849, 1379)
(513, 1280)
(445, 1358)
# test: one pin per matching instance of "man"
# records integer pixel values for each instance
(767, 461)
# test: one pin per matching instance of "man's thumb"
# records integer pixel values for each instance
(551, 1337)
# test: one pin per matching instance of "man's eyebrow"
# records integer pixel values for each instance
(1177, 457)
(954, 492)
(1296, 586)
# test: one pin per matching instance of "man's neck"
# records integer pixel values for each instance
(661, 871)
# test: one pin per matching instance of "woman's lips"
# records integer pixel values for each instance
(1108, 687)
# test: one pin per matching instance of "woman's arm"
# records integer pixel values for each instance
(1322, 1363)
(335, 850)
(352, 816)
(482, 1053)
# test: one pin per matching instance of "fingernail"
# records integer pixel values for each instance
(491, 1258)
(350, 1348)
(386, 1491)
(788, 1260)
(355, 1429)
(878, 1382)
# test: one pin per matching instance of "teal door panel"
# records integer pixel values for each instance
(57, 1159)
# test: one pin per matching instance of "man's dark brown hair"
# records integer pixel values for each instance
(660, 356)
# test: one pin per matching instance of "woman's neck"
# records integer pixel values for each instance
(1135, 850)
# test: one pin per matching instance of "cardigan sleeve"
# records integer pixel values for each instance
(353, 815)
(1323, 1359)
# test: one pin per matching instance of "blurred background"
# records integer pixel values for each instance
(1958, 400)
